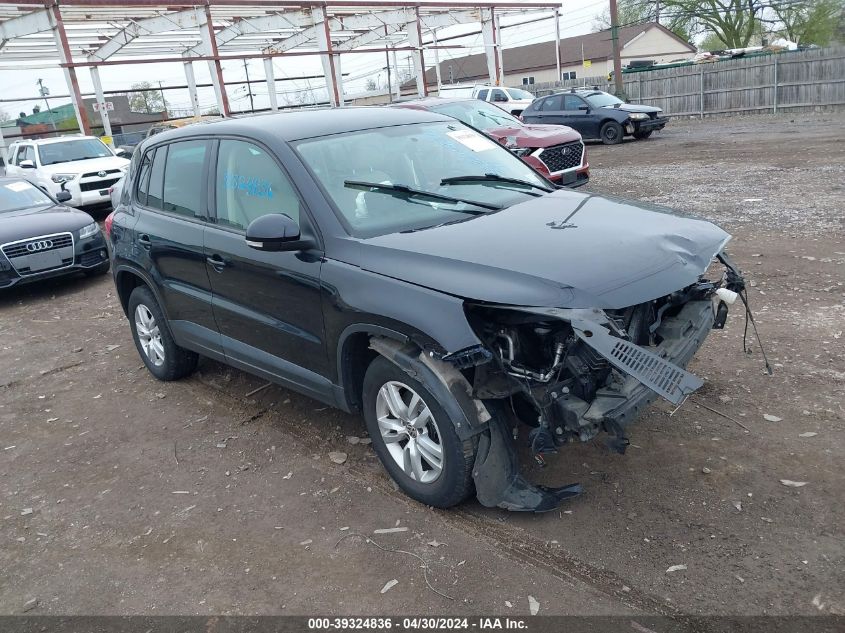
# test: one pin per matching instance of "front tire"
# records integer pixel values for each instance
(164, 359)
(415, 439)
(611, 133)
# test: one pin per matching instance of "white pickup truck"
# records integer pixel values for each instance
(513, 100)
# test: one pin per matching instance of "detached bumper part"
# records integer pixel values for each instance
(498, 482)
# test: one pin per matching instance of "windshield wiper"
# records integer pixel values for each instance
(494, 178)
(409, 192)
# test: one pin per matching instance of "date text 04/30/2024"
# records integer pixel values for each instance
(417, 623)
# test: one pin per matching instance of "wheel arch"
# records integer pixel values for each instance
(354, 356)
(126, 279)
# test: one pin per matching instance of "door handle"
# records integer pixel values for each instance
(217, 262)
(145, 241)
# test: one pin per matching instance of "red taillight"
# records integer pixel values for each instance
(107, 224)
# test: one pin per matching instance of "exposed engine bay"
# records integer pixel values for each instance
(569, 374)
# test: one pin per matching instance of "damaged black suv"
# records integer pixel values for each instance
(397, 263)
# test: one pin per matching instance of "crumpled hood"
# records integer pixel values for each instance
(633, 107)
(27, 223)
(535, 135)
(566, 249)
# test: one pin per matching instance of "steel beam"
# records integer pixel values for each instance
(324, 43)
(159, 24)
(557, 43)
(29, 24)
(101, 99)
(270, 77)
(214, 67)
(270, 4)
(70, 72)
(261, 24)
(415, 40)
(436, 61)
(192, 87)
(398, 75)
(490, 35)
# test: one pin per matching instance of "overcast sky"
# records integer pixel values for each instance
(577, 17)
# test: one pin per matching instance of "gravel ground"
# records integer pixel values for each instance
(123, 495)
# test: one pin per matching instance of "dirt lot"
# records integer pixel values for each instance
(123, 495)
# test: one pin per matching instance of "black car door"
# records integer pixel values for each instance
(577, 115)
(548, 110)
(170, 204)
(267, 304)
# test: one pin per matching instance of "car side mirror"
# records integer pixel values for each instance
(275, 232)
(585, 108)
(63, 196)
(122, 153)
(26, 164)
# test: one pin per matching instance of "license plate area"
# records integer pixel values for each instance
(44, 261)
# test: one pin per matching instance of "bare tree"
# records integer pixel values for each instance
(146, 98)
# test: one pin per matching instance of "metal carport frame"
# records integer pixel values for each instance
(92, 33)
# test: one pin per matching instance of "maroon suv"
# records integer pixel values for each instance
(555, 151)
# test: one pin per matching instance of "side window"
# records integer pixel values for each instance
(184, 178)
(30, 153)
(571, 102)
(482, 94)
(249, 184)
(552, 104)
(144, 179)
(155, 192)
(499, 95)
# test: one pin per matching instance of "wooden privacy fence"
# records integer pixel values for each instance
(785, 81)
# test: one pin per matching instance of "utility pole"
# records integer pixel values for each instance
(387, 63)
(163, 102)
(249, 87)
(44, 91)
(617, 62)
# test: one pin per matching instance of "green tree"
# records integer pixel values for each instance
(733, 22)
(711, 42)
(641, 11)
(807, 21)
(146, 98)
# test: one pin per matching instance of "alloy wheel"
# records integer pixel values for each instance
(409, 432)
(149, 335)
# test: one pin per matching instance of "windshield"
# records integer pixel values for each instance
(68, 151)
(601, 99)
(20, 194)
(516, 93)
(418, 157)
(478, 114)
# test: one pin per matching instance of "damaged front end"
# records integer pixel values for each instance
(569, 374)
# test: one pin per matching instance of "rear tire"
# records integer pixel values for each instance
(408, 443)
(611, 133)
(164, 359)
(642, 135)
